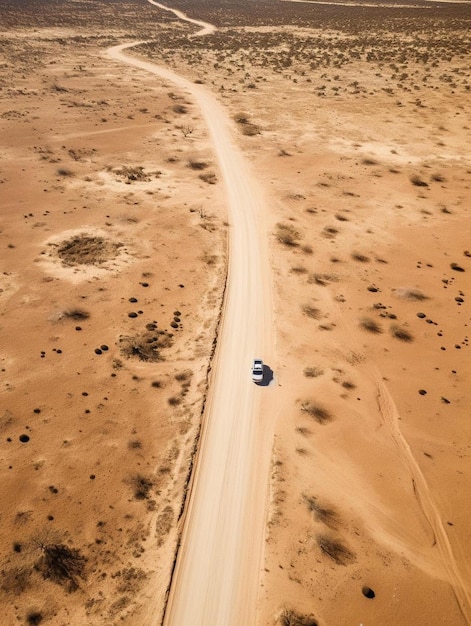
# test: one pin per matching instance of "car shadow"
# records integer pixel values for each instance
(268, 376)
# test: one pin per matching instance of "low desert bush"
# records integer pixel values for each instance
(77, 314)
(414, 295)
(401, 333)
(370, 325)
(417, 181)
(141, 485)
(323, 514)
(358, 256)
(312, 372)
(335, 549)
(319, 413)
(62, 565)
(291, 618)
(311, 311)
(287, 234)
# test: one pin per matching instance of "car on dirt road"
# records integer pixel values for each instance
(257, 371)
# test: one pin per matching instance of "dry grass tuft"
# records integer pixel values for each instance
(361, 258)
(414, 295)
(335, 549)
(401, 333)
(291, 618)
(370, 325)
(319, 413)
(323, 514)
(287, 234)
(76, 314)
(311, 311)
(313, 372)
(417, 181)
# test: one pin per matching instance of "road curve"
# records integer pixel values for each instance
(216, 577)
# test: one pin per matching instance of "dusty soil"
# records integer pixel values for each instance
(357, 124)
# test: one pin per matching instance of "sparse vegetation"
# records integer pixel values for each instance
(416, 180)
(401, 333)
(313, 372)
(414, 295)
(141, 486)
(87, 250)
(287, 234)
(371, 325)
(289, 617)
(361, 258)
(311, 311)
(61, 564)
(316, 411)
(76, 314)
(322, 513)
(335, 549)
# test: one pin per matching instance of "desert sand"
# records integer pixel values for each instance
(354, 124)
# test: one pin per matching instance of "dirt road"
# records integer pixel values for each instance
(216, 576)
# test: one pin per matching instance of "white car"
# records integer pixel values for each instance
(257, 371)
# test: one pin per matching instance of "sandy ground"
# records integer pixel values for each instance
(368, 225)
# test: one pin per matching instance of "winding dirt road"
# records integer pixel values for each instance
(216, 577)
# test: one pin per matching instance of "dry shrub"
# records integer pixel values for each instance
(209, 177)
(358, 256)
(146, 346)
(370, 325)
(131, 579)
(76, 314)
(313, 372)
(179, 108)
(183, 376)
(197, 164)
(319, 413)
(322, 279)
(298, 269)
(15, 580)
(417, 181)
(62, 565)
(323, 514)
(401, 333)
(64, 171)
(414, 295)
(133, 173)
(141, 485)
(87, 250)
(291, 618)
(335, 549)
(311, 311)
(287, 234)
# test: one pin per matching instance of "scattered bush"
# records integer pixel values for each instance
(323, 514)
(370, 325)
(410, 294)
(76, 314)
(141, 485)
(335, 549)
(311, 311)
(319, 413)
(417, 181)
(62, 565)
(287, 234)
(312, 372)
(401, 333)
(358, 256)
(290, 618)
(197, 164)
